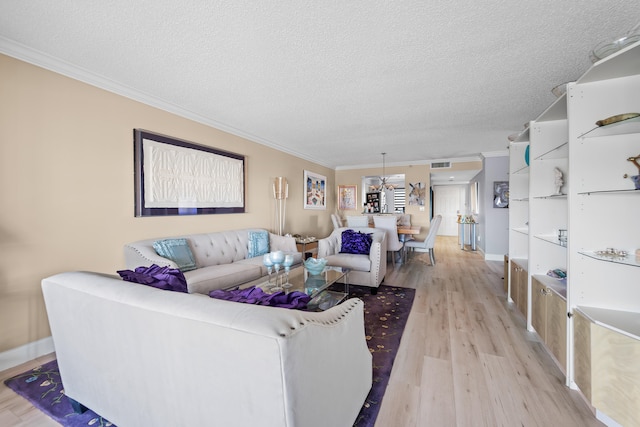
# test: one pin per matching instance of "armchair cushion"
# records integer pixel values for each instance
(355, 242)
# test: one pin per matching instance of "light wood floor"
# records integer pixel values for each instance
(465, 359)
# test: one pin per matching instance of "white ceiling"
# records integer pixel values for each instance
(336, 82)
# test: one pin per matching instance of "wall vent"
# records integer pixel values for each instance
(440, 165)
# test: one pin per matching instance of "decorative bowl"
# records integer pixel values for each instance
(315, 266)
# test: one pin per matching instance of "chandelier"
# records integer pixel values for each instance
(383, 179)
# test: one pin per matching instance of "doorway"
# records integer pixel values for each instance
(448, 200)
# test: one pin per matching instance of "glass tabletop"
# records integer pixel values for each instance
(313, 285)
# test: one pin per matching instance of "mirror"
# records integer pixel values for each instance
(391, 200)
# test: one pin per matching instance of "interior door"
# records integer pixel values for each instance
(447, 201)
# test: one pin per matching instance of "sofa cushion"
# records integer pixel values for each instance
(355, 242)
(355, 262)
(206, 279)
(258, 243)
(167, 278)
(178, 251)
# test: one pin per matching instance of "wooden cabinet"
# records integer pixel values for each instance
(606, 363)
(505, 279)
(519, 286)
(549, 319)
(582, 353)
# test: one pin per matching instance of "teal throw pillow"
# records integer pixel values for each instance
(178, 251)
(258, 243)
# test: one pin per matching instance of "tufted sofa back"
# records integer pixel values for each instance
(223, 247)
(209, 249)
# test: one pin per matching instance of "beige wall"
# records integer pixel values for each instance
(66, 186)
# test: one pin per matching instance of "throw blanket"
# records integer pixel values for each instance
(254, 295)
(170, 279)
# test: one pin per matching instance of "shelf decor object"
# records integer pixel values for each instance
(559, 181)
(177, 177)
(607, 48)
(634, 178)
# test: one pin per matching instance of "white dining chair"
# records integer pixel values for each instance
(336, 220)
(357, 221)
(394, 245)
(429, 242)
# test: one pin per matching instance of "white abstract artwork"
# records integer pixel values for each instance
(181, 177)
(178, 179)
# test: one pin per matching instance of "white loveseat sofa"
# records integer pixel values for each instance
(222, 258)
(367, 270)
(141, 356)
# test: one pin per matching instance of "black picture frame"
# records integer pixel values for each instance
(213, 172)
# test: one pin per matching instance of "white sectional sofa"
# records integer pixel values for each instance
(366, 269)
(141, 356)
(222, 258)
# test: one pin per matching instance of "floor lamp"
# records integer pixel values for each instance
(280, 193)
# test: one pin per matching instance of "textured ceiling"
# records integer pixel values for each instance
(337, 82)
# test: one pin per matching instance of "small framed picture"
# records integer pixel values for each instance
(315, 191)
(501, 194)
(347, 197)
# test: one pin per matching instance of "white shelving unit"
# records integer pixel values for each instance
(603, 207)
(518, 218)
(548, 214)
(599, 209)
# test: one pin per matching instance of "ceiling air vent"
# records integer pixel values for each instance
(440, 165)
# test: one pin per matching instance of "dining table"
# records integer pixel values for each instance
(408, 230)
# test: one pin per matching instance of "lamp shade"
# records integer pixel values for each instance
(280, 188)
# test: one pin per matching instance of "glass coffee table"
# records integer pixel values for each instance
(316, 286)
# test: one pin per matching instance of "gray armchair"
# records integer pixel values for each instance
(367, 270)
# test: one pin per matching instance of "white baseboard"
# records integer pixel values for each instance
(494, 257)
(25, 353)
(606, 420)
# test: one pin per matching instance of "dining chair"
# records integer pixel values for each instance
(429, 242)
(336, 220)
(394, 245)
(357, 221)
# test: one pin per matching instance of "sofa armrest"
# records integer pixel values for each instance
(144, 255)
(328, 245)
(282, 243)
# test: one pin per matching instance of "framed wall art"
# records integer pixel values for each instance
(315, 194)
(501, 194)
(347, 197)
(177, 177)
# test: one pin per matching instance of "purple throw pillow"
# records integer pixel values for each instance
(167, 278)
(254, 295)
(355, 242)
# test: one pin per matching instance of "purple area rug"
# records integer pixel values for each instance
(42, 386)
(385, 317)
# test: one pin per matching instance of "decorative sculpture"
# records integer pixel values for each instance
(634, 178)
(559, 181)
